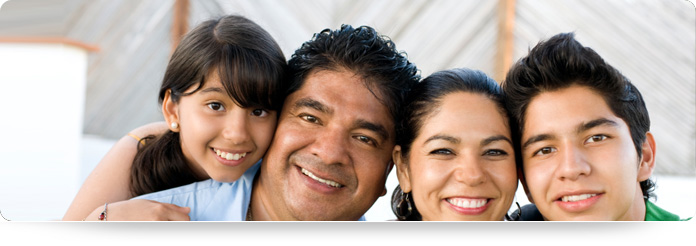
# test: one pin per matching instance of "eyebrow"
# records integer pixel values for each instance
(447, 138)
(314, 104)
(581, 128)
(595, 123)
(212, 89)
(377, 128)
(495, 138)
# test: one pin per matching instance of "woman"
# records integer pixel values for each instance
(454, 156)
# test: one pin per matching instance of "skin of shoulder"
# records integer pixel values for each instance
(109, 180)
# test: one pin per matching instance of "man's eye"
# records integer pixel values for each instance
(259, 112)
(441, 152)
(596, 138)
(216, 106)
(545, 151)
(366, 140)
(310, 118)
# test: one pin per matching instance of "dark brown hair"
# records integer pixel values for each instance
(252, 69)
(424, 99)
(561, 62)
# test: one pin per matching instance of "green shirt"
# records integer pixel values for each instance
(655, 213)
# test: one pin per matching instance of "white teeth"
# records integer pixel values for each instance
(467, 203)
(327, 182)
(576, 198)
(230, 156)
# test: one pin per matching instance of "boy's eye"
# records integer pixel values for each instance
(216, 106)
(495, 152)
(545, 151)
(259, 112)
(596, 138)
(441, 152)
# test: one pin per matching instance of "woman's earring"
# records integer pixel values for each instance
(175, 125)
(518, 216)
(404, 209)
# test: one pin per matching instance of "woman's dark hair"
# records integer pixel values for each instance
(362, 51)
(561, 62)
(424, 99)
(252, 69)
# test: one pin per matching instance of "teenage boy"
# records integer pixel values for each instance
(585, 144)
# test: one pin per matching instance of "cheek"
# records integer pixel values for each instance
(428, 177)
(504, 175)
(536, 178)
(263, 133)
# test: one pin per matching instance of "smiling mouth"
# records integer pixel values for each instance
(230, 156)
(575, 198)
(467, 202)
(320, 180)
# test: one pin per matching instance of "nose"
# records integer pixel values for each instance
(236, 128)
(469, 170)
(331, 145)
(573, 163)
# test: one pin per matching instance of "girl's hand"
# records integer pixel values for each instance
(141, 210)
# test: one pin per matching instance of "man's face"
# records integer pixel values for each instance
(579, 159)
(331, 151)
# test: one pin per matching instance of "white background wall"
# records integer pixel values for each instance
(41, 106)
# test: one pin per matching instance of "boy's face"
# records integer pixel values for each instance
(579, 159)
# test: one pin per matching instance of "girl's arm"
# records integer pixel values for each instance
(109, 181)
(140, 210)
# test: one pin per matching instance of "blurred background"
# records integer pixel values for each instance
(79, 74)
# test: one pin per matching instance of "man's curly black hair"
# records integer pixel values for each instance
(362, 51)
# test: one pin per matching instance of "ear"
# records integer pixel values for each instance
(523, 181)
(402, 171)
(647, 159)
(170, 110)
(386, 176)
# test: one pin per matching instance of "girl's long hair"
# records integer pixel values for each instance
(252, 69)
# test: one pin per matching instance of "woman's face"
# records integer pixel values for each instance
(219, 139)
(461, 165)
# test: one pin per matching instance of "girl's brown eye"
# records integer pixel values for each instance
(216, 106)
(259, 112)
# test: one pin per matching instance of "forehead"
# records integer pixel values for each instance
(345, 93)
(565, 108)
(465, 113)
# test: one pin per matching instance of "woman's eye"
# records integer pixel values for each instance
(259, 112)
(310, 118)
(495, 152)
(441, 152)
(596, 138)
(545, 151)
(216, 106)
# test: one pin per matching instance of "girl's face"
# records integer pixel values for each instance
(219, 139)
(461, 165)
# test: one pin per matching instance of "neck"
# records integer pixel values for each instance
(257, 207)
(636, 212)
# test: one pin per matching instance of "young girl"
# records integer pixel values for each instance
(220, 94)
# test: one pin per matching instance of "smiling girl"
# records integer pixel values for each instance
(220, 95)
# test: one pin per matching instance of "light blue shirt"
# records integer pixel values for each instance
(211, 200)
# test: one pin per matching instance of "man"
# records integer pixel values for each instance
(331, 152)
(586, 148)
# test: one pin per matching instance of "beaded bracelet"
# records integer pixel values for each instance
(102, 216)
